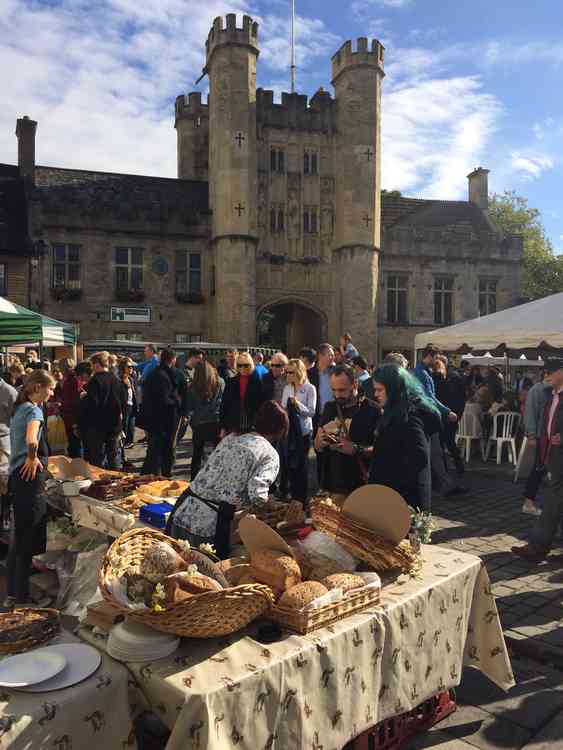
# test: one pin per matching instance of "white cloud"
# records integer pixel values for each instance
(516, 52)
(101, 78)
(530, 166)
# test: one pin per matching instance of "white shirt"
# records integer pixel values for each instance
(306, 397)
(239, 471)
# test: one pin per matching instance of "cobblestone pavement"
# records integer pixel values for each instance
(487, 522)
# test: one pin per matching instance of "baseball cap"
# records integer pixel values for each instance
(553, 364)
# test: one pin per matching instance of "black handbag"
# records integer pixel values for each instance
(225, 514)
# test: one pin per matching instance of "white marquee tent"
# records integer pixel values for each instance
(523, 327)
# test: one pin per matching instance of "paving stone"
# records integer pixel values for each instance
(549, 738)
(485, 731)
(435, 738)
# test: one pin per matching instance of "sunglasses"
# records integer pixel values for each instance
(244, 367)
(290, 372)
(274, 364)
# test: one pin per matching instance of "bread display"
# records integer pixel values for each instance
(205, 566)
(275, 569)
(302, 594)
(189, 582)
(344, 581)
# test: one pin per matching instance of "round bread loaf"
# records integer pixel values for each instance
(191, 583)
(302, 594)
(275, 569)
(160, 561)
(344, 581)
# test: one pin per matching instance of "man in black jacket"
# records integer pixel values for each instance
(100, 413)
(163, 407)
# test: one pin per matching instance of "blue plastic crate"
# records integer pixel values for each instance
(155, 514)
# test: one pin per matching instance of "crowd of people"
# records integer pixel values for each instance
(255, 422)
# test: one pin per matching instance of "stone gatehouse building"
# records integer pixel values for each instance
(275, 232)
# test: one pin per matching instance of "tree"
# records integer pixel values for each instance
(542, 270)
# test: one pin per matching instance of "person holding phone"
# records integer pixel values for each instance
(28, 470)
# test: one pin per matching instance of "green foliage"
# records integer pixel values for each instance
(542, 270)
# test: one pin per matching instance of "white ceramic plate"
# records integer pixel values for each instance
(81, 661)
(30, 668)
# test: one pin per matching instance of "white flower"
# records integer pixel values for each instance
(192, 570)
(159, 592)
(207, 549)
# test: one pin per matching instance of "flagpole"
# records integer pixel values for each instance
(293, 46)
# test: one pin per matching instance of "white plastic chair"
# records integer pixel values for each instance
(469, 429)
(510, 421)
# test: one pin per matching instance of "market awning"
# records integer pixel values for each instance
(18, 325)
(526, 326)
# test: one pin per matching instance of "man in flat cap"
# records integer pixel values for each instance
(550, 455)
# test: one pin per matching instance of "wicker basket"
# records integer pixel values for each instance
(379, 553)
(29, 640)
(304, 621)
(215, 613)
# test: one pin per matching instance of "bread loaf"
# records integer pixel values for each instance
(205, 566)
(275, 569)
(190, 583)
(302, 594)
(160, 561)
(344, 581)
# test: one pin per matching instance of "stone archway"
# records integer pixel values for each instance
(289, 326)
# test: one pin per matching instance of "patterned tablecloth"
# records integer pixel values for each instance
(323, 689)
(103, 517)
(96, 713)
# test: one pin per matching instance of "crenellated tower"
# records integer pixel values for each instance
(192, 128)
(356, 77)
(231, 55)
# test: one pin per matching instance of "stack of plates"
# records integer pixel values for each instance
(131, 641)
(50, 668)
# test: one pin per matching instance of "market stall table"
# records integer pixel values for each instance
(93, 713)
(324, 689)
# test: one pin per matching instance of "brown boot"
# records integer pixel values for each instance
(531, 553)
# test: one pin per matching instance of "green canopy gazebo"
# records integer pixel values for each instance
(18, 325)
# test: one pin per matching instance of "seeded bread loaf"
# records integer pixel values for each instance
(344, 581)
(275, 569)
(302, 594)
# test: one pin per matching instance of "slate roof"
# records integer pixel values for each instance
(13, 212)
(399, 211)
(60, 189)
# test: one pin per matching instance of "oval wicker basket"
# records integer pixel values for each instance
(215, 613)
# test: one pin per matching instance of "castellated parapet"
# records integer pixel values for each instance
(347, 57)
(191, 106)
(295, 111)
(221, 34)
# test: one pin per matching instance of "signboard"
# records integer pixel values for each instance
(130, 314)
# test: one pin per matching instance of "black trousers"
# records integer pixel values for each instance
(535, 478)
(161, 453)
(449, 433)
(299, 478)
(99, 446)
(202, 434)
(74, 445)
(28, 536)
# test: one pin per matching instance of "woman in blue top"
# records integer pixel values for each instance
(28, 464)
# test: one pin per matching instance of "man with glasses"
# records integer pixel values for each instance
(228, 367)
(319, 376)
(273, 384)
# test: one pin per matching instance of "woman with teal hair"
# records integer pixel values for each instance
(401, 458)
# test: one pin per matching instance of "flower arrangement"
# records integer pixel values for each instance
(422, 524)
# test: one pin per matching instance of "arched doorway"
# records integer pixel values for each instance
(289, 326)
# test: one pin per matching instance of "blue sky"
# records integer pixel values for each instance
(468, 83)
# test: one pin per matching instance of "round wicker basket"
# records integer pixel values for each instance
(215, 613)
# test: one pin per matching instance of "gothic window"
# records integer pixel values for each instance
(310, 220)
(213, 282)
(272, 220)
(129, 268)
(306, 164)
(280, 220)
(281, 161)
(397, 299)
(188, 272)
(314, 163)
(276, 220)
(487, 296)
(306, 224)
(65, 266)
(273, 160)
(443, 301)
(3, 279)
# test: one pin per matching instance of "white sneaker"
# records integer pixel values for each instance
(530, 508)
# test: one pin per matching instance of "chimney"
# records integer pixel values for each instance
(479, 187)
(25, 132)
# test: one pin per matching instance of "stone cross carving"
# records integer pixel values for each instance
(368, 153)
(239, 138)
(239, 209)
(367, 220)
